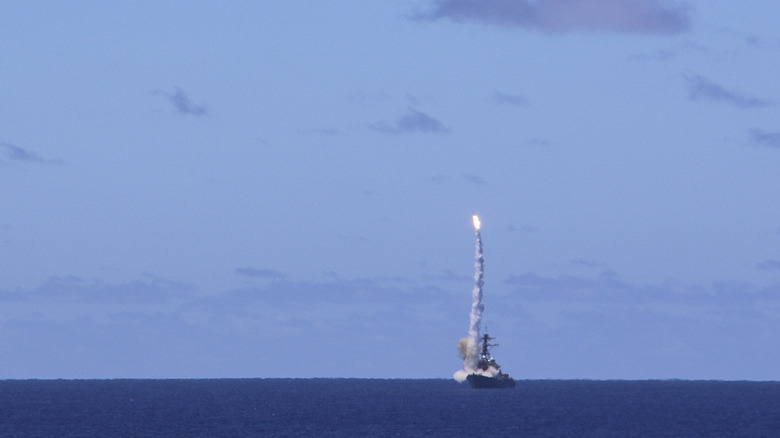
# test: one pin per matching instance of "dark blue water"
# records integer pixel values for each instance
(386, 408)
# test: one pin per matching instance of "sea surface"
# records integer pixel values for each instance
(386, 408)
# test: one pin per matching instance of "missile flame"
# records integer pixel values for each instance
(477, 223)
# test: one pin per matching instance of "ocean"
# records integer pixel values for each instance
(386, 408)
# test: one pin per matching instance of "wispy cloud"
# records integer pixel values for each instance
(15, 153)
(605, 286)
(765, 138)
(701, 89)
(75, 328)
(586, 263)
(475, 179)
(769, 265)
(156, 328)
(319, 131)
(539, 141)
(654, 326)
(413, 121)
(152, 289)
(260, 273)
(182, 103)
(623, 16)
(509, 99)
(659, 55)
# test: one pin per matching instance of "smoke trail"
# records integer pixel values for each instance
(469, 347)
(470, 361)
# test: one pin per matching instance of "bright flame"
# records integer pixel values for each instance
(477, 223)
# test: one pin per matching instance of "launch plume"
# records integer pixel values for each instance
(469, 346)
(476, 298)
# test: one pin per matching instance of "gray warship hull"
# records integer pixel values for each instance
(479, 381)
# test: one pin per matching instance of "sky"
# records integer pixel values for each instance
(285, 189)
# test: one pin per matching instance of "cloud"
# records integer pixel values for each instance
(659, 55)
(765, 138)
(449, 276)
(151, 290)
(558, 326)
(605, 286)
(536, 141)
(769, 265)
(475, 179)
(510, 99)
(531, 229)
(620, 329)
(586, 263)
(413, 121)
(623, 16)
(260, 273)
(319, 131)
(701, 89)
(75, 328)
(15, 153)
(183, 104)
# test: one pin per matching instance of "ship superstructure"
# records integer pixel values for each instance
(488, 373)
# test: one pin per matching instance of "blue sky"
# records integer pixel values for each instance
(285, 189)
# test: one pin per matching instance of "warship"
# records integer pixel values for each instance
(488, 374)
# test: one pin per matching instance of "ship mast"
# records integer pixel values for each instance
(485, 344)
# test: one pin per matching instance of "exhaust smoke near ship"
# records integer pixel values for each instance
(479, 367)
(468, 346)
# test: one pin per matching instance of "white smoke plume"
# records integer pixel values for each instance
(469, 346)
(476, 302)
